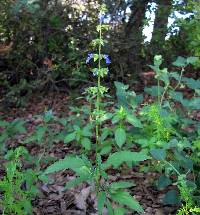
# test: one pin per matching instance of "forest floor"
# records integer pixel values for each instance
(53, 199)
(80, 200)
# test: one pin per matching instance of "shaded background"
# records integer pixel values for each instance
(44, 43)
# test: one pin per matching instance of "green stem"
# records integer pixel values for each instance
(163, 95)
(158, 91)
(98, 101)
(98, 96)
(173, 167)
(179, 82)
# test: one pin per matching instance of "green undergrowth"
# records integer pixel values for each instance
(113, 134)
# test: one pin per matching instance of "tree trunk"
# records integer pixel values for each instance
(133, 34)
(160, 25)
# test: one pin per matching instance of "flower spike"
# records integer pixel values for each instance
(90, 56)
(106, 57)
(101, 18)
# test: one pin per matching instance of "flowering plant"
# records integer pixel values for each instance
(94, 170)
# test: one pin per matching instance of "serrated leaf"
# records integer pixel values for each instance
(134, 121)
(66, 163)
(158, 154)
(101, 199)
(125, 198)
(120, 136)
(117, 158)
(121, 185)
(70, 137)
(86, 143)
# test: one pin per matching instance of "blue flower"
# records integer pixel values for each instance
(101, 17)
(90, 56)
(106, 57)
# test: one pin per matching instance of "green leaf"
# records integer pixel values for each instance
(121, 185)
(105, 133)
(192, 60)
(195, 104)
(106, 149)
(75, 182)
(117, 158)
(120, 211)
(125, 198)
(123, 96)
(86, 143)
(177, 96)
(3, 137)
(192, 83)
(48, 116)
(101, 199)
(180, 62)
(55, 21)
(171, 198)
(134, 121)
(120, 136)
(73, 163)
(115, 119)
(163, 182)
(153, 91)
(70, 137)
(41, 130)
(86, 131)
(19, 126)
(164, 76)
(158, 154)
(158, 59)
(195, 209)
(110, 208)
(4, 123)
(175, 75)
(96, 57)
(106, 116)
